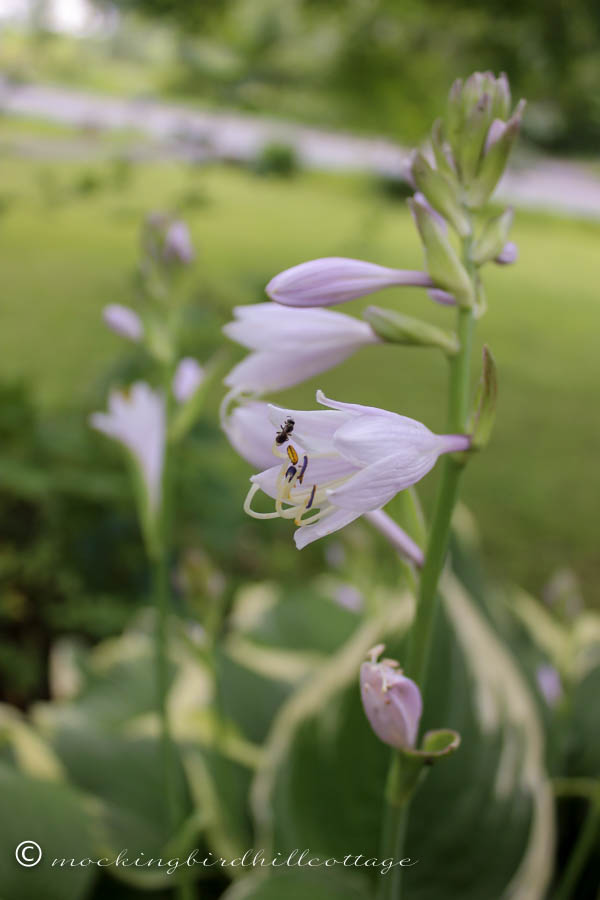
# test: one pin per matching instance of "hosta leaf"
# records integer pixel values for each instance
(481, 825)
(294, 884)
(58, 819)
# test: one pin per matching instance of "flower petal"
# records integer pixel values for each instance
(314, 429)
(365, 439)
(351, 408)
(375, 485)
(327, 525)
(267, 370)
(265, 326)
(251, 432)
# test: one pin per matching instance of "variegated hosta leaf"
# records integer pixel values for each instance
(298, 884)
(481, 825)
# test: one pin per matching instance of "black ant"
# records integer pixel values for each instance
(286, 429)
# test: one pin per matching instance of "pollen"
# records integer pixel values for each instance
(293, 456)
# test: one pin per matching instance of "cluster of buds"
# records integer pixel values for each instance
(455, 175)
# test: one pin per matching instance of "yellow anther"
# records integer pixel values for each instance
(293, 456)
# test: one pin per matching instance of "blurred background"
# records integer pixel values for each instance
(279, 132)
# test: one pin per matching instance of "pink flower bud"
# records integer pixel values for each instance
(123, 321)
(391, 701)
(331, 280)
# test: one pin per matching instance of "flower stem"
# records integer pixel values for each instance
(161, 599)
(422, 629)
(394, 833)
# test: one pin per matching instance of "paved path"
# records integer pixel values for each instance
(185, 132)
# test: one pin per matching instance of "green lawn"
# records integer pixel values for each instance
(535, 491)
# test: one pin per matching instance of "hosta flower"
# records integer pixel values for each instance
(392, 702)
(188, 377)
(291, 345)
(335, 279)
(339, 463)
(123, 321)
(136, 418)
(250, 432)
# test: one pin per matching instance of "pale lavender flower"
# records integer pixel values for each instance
(549, 683)
(335, 279)
(136, 418)
(344, 461)
(178, 243)
(291, 345)
(123, 321)
(391, 701)
(188, 377)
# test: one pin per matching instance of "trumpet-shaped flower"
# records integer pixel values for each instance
(188, 377)
(391, 701)
(335, 279)
(249, 430)
(136, 418)
(340, 463)
(123, 321)
(291, 345)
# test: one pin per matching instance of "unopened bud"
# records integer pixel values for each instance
(499, 143)
(443, 264)
(441, 192)
(392, 702)
(493, 238)
(123, 321)
(482, 421)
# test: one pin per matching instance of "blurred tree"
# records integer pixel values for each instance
(386, 64)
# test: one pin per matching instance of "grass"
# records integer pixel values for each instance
(534, 491)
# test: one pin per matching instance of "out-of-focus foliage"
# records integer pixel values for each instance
(273, 744)
(386, 65)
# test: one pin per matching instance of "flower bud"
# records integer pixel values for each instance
(178, 244)
(441, 192)
(493, 238)
(167, 241)
(392, 702)
(498, 145)
(397, 328)
(443, 264)
(482, 420)
(123, 321)
(508, 255)
(331, 280)
(188, 377)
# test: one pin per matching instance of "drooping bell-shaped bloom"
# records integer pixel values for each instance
(188, 377)
(136, 418)
(123, 321)
(339, 463)
(336, 279)
(291, 345)
(391, 701)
